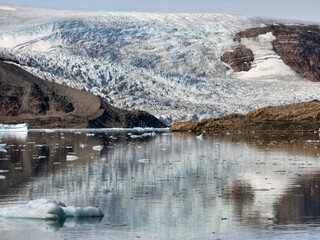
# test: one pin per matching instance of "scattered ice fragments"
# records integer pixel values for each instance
(200, 137)
(150, 134)
(72, 157)
(146, 160)
(49, 209)
(97, 148)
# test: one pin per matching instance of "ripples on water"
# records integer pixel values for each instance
(237, 186)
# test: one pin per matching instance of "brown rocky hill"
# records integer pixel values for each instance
(43, 104)
(303, 116)
(297, 45)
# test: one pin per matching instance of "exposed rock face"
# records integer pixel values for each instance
(26, 98)
(239, 58)
(297, 45)
(299, 116)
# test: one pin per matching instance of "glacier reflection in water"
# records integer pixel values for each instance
(165, 186)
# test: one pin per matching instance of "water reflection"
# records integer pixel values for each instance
(301, 201)
(169, 186)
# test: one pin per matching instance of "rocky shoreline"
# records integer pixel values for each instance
(303, 116)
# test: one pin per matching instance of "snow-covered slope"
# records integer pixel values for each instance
(167, 64)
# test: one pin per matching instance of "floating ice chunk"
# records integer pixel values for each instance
(49, 209)
(2, 177)
(200, 137)
(136, 136)
(97, 148)
(40, 208)
(150, 134)
(83, 145)
(72, 157)
(4, 171)
(3, 148)
(146, 160)
(90, 134)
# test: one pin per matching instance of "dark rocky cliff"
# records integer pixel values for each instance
(297, 45)
(43, 104)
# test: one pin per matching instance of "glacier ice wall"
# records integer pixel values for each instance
(167, 64)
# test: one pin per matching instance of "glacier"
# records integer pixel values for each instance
(166, 64)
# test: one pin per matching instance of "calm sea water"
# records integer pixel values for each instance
(168, 186)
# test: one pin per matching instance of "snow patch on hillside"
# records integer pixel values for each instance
(267, 64)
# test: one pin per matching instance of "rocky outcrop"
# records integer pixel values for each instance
(294, 117)
(239, 58)
(43, 104)
(297, 45)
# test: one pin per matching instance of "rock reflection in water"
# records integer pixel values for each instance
(168, 186)
(301, 202)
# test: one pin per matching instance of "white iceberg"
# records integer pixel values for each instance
(72, 158)
(3, 148)
(146, 160)
(97, 148)
(200, 137)
(49, 209)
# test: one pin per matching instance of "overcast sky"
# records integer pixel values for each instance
(293, 9)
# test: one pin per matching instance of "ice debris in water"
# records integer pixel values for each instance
(146, 160)
(72, 158)
(97, 148)
(150, 134)
(200, 137)
(49, 209)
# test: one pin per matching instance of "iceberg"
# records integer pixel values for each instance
(49, 209)
(97, 148)
(72, 158)
(3, 148)
(23, 127)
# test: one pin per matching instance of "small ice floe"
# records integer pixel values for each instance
(150, 134)
(200, 137)
(2, 177)
(4, 171)
(97, 148)
(3, 148)
(146, 160)
(90, 134)
(83, 145)
(49, 209)
(72, 158)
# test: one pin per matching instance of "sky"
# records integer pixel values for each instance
(308, 10)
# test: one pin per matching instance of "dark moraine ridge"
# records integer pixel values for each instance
(297, 45)
(43, 104)
(303, 116)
